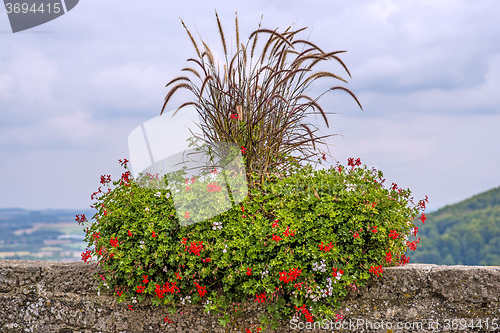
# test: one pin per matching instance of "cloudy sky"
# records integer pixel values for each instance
(426, 72)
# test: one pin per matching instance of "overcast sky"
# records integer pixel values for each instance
(426, 72)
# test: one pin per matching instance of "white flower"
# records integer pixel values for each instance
(225, 249)
(157, 194)
(146, 209)
(167, 195)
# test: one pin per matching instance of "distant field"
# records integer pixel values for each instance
(65, 228)
(13, 254)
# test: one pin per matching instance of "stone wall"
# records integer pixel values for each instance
(37, 296)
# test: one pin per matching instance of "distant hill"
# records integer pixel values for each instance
(466, 233)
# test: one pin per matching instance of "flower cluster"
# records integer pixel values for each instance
(319, 267)
(195, 248)
(86, 256)
(337, 273)
(393, 234)
(261, 298)
(81, 219)
(289, 233)
(185, 299)
(376, 270)
(413, 245)
(201, 290)
(213, 187)
(291, 276)
(166, 288)
(105, 179)
(217, 225)
(114, 242)
(325, 248)
(276, 238)
(309, 317)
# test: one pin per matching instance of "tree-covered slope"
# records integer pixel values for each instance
(466, 233)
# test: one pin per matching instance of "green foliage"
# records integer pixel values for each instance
(259, 97)
(467, 233)
(297, 244)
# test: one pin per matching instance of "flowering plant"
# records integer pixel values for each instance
(298, 242)
(296, 245)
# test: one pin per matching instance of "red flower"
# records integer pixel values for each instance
(213, 187)
(129, 233)
(242, 208)
(374, 229)
(376, 270)
(325, 248)
(340, 271)
(324, 156)
(291, 276)
(145, 279)
(125, 178)
(119, 293)
(275, 224)
(276, 238)
(167, 320)
(178, 276)
(393, 234)
(243, 150)
(201, 290)
(309, 317)
(81, 219)
(86, 256)
(105, 179)
(184, 240)
(352, 163)
(288, 233)
(196, 248)
(356, 234)
(404, 259)
(130, 307)
(388, 257)
(234, 116)
(413, 245)
(140, 289)
(125, 161)
(423, 218)
(186, 215)
(153, 234)
(114, 242)
(249, 271)
(260, 298)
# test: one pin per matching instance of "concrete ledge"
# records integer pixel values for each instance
(38, 296)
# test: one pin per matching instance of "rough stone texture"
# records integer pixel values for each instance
(37, 296)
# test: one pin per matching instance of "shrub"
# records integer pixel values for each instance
(298, 243)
